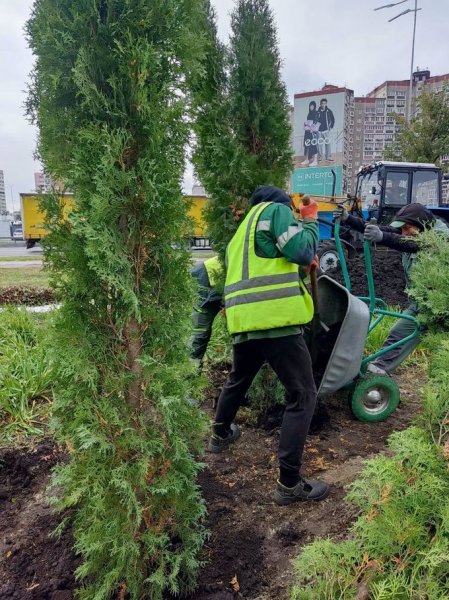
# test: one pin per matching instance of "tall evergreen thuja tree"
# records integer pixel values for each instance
(241, 119)
(109, 95)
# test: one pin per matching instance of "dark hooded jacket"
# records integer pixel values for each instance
(269, 193)
(413, 214)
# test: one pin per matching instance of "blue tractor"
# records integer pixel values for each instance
(381, 190)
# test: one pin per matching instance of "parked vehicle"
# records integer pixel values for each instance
(34, 228)
(33, 218)
(16, 230)
(381, 190)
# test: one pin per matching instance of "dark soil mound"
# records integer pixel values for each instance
(33, 565)
(27, 296)
(253, 541)
(389, 280)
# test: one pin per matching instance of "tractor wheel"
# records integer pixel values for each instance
(328, 256)
(374, 398)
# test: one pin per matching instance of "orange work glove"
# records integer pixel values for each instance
(313, 265)
(309, 210)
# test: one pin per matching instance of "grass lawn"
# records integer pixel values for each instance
(27, 258)
(23, 276)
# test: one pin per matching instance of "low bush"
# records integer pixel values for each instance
(26, 375)
(430, 281)
(399, 546)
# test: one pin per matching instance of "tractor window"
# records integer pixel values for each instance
(396, 188)
(425, 188)
(368, 190)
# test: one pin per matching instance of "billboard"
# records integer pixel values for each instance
(318, 129)
(317, 181)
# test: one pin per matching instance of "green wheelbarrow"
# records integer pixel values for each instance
(341, 361)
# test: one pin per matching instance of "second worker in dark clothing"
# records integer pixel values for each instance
(409, 222)
(266, 306)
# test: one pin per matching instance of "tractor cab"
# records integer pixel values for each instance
(385, 187)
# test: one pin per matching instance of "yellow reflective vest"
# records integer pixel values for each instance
(213, 269)
(261, 293)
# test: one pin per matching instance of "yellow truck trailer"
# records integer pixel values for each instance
(33, 218)
(34, 229)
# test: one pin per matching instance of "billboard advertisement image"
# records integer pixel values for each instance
(318, 129)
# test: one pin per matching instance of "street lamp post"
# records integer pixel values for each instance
(410, 96)
(405, 12)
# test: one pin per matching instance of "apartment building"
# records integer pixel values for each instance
(374, 125)
(43, 182)
(2, 193)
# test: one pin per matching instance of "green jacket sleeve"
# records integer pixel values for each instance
(297, 242)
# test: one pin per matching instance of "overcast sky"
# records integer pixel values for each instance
(343, 42)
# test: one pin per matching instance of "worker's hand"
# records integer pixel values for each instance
(309, 211)
(313, 266)
(341, 213)
(373, 233)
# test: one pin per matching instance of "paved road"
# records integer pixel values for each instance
(19, 264)
(12, 249)
(9, 248)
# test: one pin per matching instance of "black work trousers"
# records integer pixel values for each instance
(290, 359)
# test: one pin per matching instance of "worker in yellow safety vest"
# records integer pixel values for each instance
(267, 306)
(209, 304)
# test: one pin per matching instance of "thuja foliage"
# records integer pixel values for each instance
(430, 281)
(241, 117)
(109, 93)
(399, 546)
(242, 130)
(435, 415)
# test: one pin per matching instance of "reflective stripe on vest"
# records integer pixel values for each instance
(214, 270)
(261, 293)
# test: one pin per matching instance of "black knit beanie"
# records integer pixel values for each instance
(269, 193)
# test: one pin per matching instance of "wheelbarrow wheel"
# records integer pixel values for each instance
(374, 398)
(328, 256)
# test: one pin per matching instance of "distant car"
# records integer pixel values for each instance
(16, 231)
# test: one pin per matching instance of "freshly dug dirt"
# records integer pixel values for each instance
(389, 280)
(253, 541)
(33, 565)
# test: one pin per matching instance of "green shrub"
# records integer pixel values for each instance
(242, 130)
(399, 547)
(325, 571)
(435, 415)
(110, 95)
(430, 281)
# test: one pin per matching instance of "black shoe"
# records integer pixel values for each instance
(310, 489)
(217, 444)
